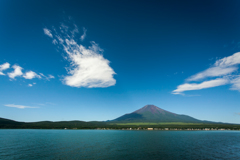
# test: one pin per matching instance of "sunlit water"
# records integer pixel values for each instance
(118, 144)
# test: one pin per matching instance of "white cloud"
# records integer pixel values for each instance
(203, 85)
(31, 75)
(3, 67)
(30, 85)
(50, 76)
(19, 106)
(221, 67)
(17, 72)
(84, 34)
(229, 61)
(235, 83)
(212, 72)
(47, 32)
(225, 71)
(88, 68)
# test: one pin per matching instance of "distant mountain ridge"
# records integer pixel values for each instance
(148, 113)
(151, 113)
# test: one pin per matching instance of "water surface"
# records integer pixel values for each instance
(117, 144)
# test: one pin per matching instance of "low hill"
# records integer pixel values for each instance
(7, 123)
(10, 124)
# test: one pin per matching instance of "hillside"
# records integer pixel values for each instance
(10, 124)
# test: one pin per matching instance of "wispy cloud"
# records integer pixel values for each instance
(19, 106)
(50, 76)
(17, 72)
(88, 68)
(3, 67)
(224, 70)
(44, 104)
(84, 34)
(203, 85)
(235, 83)
(212, 72)
(47, 77)
(47, 32)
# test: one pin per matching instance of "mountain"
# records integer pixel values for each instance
(151, 113)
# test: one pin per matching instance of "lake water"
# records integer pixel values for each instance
(118, 144)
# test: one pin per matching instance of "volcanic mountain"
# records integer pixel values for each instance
(151, 113)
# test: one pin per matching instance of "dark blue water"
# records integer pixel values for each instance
(118, 144)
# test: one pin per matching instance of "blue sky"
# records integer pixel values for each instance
(97, 60)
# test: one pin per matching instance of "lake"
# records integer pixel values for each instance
(118, 144)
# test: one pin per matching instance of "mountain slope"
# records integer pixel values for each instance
(151, 113)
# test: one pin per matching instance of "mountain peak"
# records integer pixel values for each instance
(150, 108)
